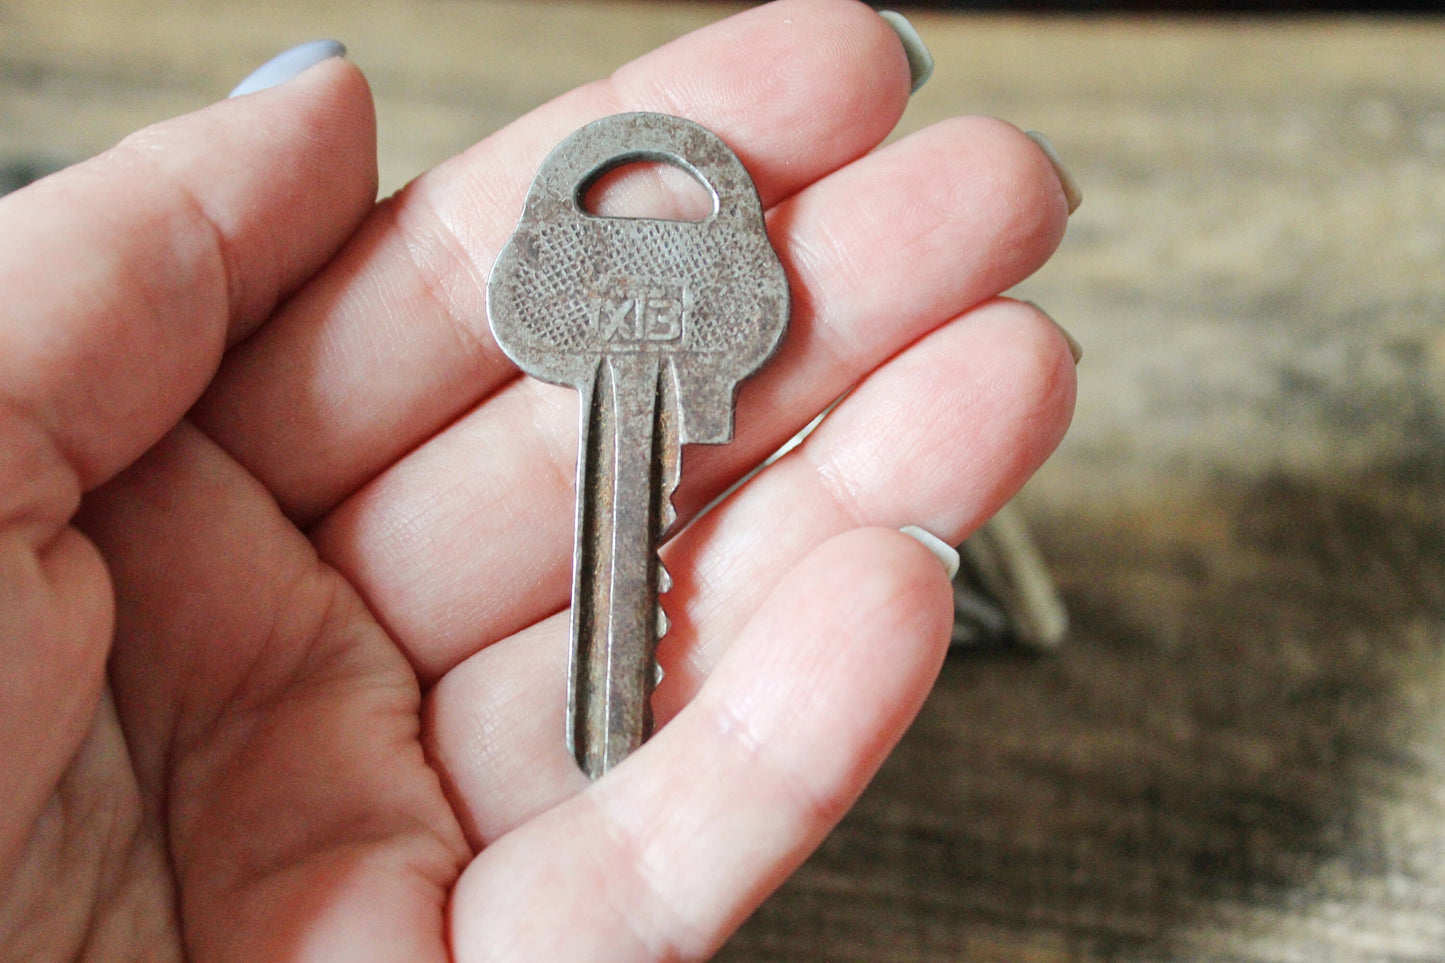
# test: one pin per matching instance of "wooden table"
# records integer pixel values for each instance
(1241, 754)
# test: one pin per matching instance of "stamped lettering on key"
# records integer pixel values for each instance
(633, 316)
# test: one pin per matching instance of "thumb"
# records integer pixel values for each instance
(126, 275)
(124, 278)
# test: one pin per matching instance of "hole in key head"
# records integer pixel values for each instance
(649, 186)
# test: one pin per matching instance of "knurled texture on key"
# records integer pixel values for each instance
(571, 269)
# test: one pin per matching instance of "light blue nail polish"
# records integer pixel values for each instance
(1073, 197)
(946, 554)
(920, 61)
(289, 64)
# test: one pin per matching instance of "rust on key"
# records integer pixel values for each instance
(654, 322)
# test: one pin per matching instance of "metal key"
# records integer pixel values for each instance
(654, 322)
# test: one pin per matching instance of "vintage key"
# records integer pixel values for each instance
(654, 322)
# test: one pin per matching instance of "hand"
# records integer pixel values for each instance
(285, 541)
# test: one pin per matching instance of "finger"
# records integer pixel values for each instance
(878, 254)
(939, 437)
(666, 855)
(125, 275)
(798, 88)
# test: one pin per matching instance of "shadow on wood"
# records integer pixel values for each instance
(1238, 757)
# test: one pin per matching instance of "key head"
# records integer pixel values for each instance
(709, 297)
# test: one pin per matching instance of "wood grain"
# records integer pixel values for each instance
(1241, 754)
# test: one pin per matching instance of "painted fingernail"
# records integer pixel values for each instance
(291, 63)
(920, 61)
(1075, 349)
(944, 552)
(1072, 195)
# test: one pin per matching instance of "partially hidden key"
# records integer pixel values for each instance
(654, 323)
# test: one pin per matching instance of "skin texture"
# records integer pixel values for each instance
(285, 540)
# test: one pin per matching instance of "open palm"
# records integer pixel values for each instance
(285, 540)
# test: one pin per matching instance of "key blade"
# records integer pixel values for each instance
(627, 470)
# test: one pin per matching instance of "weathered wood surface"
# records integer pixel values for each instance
(1241, 755)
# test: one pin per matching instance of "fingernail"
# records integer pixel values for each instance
(1072, 195)
(291, 63)
(944, 552)
(920, 61)
(1075, 349)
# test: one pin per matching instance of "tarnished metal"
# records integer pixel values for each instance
(1003, 591)
(654, 322)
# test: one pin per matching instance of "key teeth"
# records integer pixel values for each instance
(664, 585)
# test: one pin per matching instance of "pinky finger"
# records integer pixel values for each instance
(665, 856)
